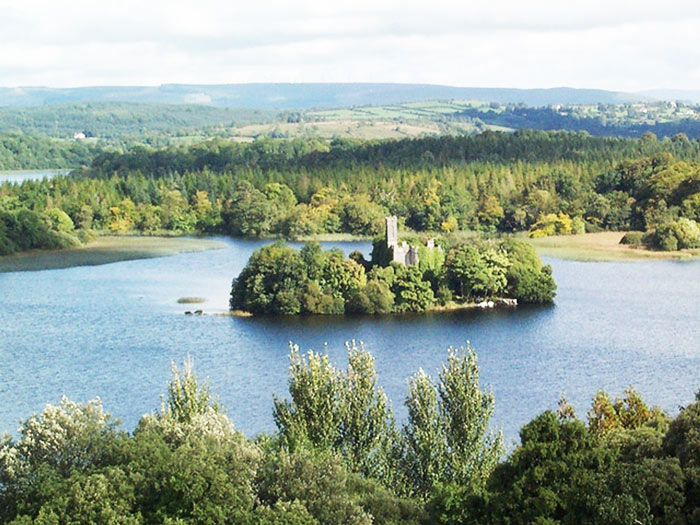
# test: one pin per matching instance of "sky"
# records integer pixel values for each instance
(613, 44)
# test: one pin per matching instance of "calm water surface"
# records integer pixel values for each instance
(21, 176)
(111, 331)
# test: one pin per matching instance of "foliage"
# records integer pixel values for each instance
(676, 235)
(552, 224)
(316, 479)
(338, 459)
(23, 229)
(629, 412)
(55, 456)
(529, 281)
(447, 437)
(344, 411)
(411, 292)
(472, 272)
(20, 151)
(542, 182)
(374, 298)
(188, 462)
(270, 282)
(682, 442)
(279, 280)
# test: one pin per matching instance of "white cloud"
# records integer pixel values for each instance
(613, 44)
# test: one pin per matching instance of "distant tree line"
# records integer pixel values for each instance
(430, 152)
(116, 123)
(663, 119)
(542, 182)
(339, 457)
(19, 151)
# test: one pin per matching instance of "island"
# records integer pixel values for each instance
(402, 275)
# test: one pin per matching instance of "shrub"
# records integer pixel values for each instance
(633, 238)
(675, 235)
(687, 232)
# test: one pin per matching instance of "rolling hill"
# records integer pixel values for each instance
(305, 96)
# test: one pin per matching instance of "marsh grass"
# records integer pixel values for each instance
(602, 246)
(104, 250)
(191, 300)
(333, 237)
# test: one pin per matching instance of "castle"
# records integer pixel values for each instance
(402, 253)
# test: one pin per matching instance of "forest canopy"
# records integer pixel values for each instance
(543, 183)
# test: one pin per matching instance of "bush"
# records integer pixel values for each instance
(687, 231)
(554, 224)
(443, 295)
(374, 298)
(675, 235)
(633, 238)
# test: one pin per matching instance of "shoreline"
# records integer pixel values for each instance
(497, 303)
(588, 247)
(601, 247)
(105, 250)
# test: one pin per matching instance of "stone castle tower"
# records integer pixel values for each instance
(402, 252)
(392, 231)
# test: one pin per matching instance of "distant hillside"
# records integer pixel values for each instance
(675, 94)
(111, 120)
(304, 96)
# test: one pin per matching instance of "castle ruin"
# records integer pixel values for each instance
(402, 252)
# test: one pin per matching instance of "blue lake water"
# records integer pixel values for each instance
(21, 176)
(111, 331)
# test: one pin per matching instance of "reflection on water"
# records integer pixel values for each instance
(111, 331)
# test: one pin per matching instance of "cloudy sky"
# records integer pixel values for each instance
(608, 44)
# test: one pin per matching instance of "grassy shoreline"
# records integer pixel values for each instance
(602, 246)
(105, 250)
(333, 237)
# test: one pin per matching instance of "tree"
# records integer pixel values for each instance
(537, 481)
(315, 480)
(188, 461)
(343, 411)
(529, 281)
(472, 272)
(341, 276)
(411, 292)
(313, 415)
(361, 216)
(683, 442)
(64, 441)
(271, 282)
(374, 298)
(491, 212)
(447, 437)
(249, 212)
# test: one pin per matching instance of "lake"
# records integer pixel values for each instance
(111, 331)
(21, 176)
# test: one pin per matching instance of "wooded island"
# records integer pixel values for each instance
(400, 277)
